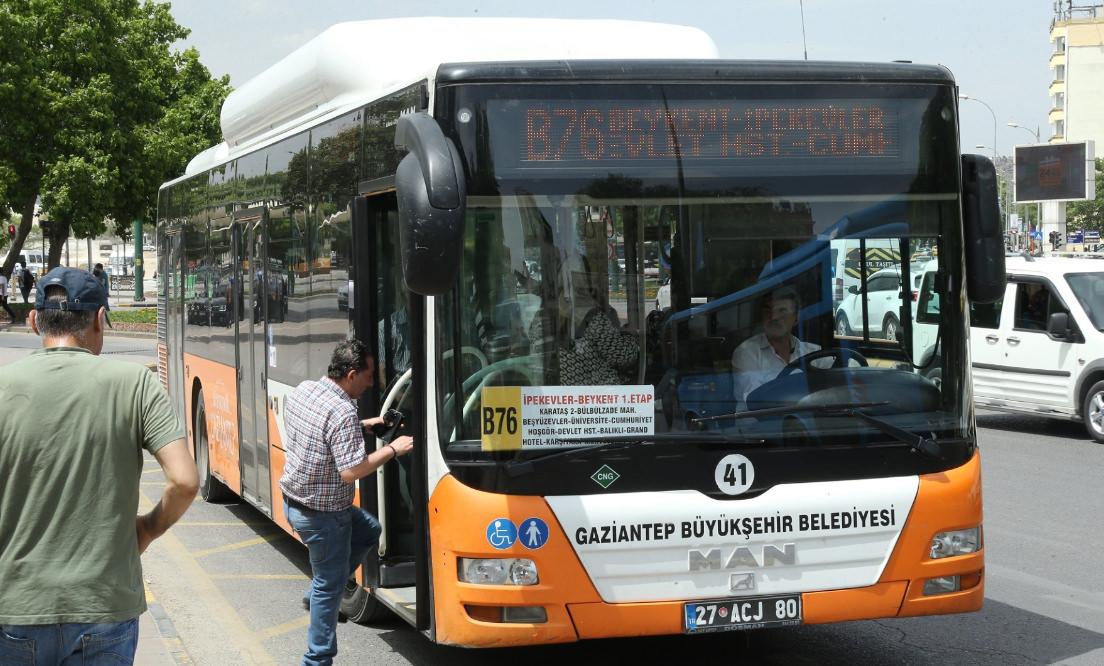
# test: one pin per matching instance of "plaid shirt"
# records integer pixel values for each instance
(323, 437)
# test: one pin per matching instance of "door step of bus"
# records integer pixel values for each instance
(399, 599)
(397, 574)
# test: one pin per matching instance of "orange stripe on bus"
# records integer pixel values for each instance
(220, 398)
(949, 500)
(458, 520)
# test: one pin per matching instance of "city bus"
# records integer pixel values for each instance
(493, 213)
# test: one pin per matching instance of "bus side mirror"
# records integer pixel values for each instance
(431, 192)
(984, 237)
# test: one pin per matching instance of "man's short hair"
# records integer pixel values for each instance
(62, 323)
(348, 355)
(100, 266)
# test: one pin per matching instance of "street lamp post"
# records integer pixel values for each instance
(1033, 132)
(1000, 195)
(975, 99)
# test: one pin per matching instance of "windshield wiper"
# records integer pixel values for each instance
(919, 443)
(617, 442)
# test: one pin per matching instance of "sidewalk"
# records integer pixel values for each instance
(158, 644)
(121, 302)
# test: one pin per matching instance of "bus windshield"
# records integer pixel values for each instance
(680, 259)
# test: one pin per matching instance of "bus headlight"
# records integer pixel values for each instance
(956, 542)
(496, 571)
(523, 572)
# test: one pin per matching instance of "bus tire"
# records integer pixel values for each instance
(1092, 411)
(361, 606)
(211, 489)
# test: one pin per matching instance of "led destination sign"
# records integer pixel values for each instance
(552, 132)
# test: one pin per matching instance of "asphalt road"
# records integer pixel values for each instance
(15, 344)
(228, 583)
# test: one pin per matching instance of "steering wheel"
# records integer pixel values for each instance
(470, 351)
(476, 395)
(842, 355)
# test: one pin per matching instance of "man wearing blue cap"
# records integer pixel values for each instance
(70, 464)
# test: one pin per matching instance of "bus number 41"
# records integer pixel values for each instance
(506, 420)
(730, 474)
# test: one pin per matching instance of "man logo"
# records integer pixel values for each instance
(770, 555)
(741, 582)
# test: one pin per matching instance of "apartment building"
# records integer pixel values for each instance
(1077, 63)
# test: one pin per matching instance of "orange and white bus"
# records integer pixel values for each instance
(492, 205)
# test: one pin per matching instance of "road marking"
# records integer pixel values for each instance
(166, 630)
(287, 627)
(151, 470)
(246, 648)
(259, 577)
(237, 546)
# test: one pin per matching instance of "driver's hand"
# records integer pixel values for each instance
(374, 421)
(402, 445)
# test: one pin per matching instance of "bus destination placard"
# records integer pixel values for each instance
(594, 132)
(528, 417)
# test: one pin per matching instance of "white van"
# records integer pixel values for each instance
(1040, 349)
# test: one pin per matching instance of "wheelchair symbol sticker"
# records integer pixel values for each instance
(501, 533)
(534, 533)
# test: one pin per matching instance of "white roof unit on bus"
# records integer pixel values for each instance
(353, 63)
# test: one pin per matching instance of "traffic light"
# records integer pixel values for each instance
(1058, 239)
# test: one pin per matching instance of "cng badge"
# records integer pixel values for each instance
(605, 476)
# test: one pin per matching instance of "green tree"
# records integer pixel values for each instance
(1089, 214)
(97, 111)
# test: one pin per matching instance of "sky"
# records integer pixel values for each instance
(998, 50)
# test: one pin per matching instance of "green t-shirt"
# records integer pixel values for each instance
(72, 429)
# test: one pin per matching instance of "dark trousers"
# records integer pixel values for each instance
(7, 308)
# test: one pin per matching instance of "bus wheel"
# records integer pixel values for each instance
(360, 606)
(842, 327)
(891, 328)
(1092, 411)
(211, 489)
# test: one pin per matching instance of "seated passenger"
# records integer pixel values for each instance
(761, 357)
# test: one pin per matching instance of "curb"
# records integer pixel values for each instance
(107, 333)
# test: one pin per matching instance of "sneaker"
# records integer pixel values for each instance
(341, 617)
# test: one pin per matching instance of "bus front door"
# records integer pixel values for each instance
(252, 390)
(381, 317)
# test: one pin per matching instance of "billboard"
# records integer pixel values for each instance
(1055, 172)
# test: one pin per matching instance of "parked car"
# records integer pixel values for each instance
(883, 304)
(663, 294)
(1040, 349)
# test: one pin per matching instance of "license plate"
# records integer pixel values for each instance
(703, 617)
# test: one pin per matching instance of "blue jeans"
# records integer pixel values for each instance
(70, 644)
(338, 541)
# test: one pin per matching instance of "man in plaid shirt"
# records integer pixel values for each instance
(325, 457)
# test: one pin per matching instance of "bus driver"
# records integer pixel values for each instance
(761, 357)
